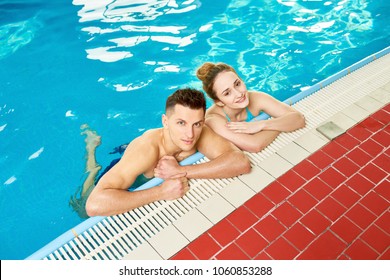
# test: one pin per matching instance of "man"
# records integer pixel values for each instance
(157, 153)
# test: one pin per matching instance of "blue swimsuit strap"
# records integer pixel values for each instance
(249, 115)
(227, 117)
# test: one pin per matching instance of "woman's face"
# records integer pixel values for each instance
(231, 90)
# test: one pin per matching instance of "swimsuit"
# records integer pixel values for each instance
(249, 115)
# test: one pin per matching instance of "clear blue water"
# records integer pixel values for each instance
(111, 64)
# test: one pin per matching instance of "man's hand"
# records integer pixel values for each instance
(167, 168)
(174, 188)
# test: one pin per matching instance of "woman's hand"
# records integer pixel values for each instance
(246, 127)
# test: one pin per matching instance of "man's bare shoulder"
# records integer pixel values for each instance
(209, 134)
(212, 144)
(148, 143)
(151, 135)
(206, 131)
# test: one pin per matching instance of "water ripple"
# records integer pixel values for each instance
(274, 34)
(136, 32)
(15, 35)
(36, 154)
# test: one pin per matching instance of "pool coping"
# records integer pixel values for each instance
(235, 199)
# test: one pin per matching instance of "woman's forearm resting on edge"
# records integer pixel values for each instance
(289, 122)
(257, 142)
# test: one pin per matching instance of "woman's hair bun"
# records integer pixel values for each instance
(203, 71)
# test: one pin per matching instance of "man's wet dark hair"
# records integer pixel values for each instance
(187, 97)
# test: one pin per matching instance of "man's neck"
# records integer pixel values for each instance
(170, 149)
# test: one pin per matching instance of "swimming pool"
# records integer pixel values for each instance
(111, 64)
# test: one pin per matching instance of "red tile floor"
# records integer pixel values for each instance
(333, 205)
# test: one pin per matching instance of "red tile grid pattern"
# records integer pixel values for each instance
(333, 205)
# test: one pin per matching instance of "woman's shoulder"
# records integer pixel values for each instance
(264, 102)
(215, 118)
(257, 94)
(259, 97)
(256, 101)
(214, 111)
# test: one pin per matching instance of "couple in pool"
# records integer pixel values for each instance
(221, 133)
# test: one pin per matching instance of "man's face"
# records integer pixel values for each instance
(184, 125)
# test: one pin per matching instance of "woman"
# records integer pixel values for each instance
(234, 107)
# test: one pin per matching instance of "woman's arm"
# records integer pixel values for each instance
(284, 118)
(248, 142)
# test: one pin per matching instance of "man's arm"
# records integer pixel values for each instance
(111, 195)
(226, 160)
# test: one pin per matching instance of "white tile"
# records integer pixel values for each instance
(381, 95)
(216, 208)
(293, 153)
(192, 224)
(168, 242)
(311, 141)
(356, 112)
(369, 104)
(330, 130)
(387, 87)
(236, 192)
(143, 252)
(342, 121)
(275, 165)
(318, 134)
(257, 179)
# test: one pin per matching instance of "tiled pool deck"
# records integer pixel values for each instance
(332, 205)
(314, 194)
(321, 192)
